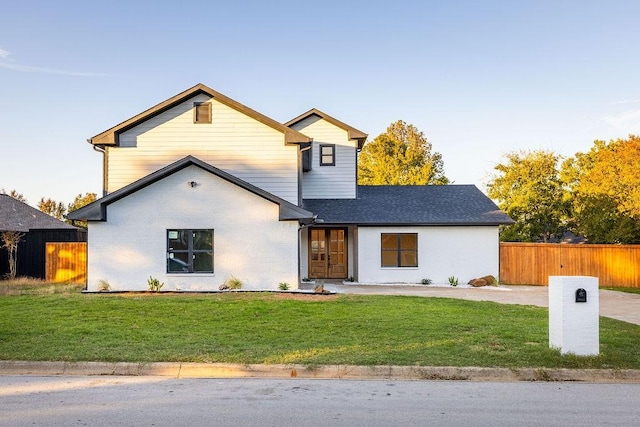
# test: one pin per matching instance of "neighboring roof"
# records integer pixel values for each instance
(353, 133)
(97, 211)
(18, 216)
(110, 136)
(410, 205)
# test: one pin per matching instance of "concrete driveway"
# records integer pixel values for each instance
(617, 305)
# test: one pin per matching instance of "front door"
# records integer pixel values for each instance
(328, 253)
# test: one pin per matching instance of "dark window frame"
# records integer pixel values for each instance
(208, 115)
(322, 155)
(189, 251)
(399, 250)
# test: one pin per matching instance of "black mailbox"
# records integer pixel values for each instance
(581, 295)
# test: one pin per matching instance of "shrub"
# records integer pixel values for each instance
(103, 286)
(453, 281)
(232, 283)
(154, 284)
(283, 286)
(426, 281)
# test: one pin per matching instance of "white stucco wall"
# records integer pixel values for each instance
(464, 252)
(250, 242)
(233, 142)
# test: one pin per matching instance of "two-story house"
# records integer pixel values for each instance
(201, 188)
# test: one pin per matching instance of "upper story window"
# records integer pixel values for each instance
(327, 154)
(201, 112)
(399, 249)
(189, 251)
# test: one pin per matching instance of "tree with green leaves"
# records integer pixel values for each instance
(605, 184)
(53, 208)
(400, 156)
(80, 201)
(528, 188)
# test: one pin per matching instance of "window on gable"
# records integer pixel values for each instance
(189, 251)
(399, 249)
(327, 154)
(201, 112)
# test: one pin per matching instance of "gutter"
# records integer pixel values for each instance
(104, 164)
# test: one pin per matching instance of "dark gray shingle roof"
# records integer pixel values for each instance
(18, 216)
(411, 205)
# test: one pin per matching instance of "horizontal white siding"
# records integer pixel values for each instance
(233, 142)
(329, 182)
(463, 252)
(249, 241)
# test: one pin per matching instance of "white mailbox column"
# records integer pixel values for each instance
(574, 315)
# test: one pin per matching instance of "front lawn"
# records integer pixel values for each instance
(275, 328)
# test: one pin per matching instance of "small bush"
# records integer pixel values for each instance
(103, 286)
(453, 281)
(426, 281)
(232, 283)
(154, 284)
(351, 279)
(283, 286)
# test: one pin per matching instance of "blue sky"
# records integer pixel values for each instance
(479, 78)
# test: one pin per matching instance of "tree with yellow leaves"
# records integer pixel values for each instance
(400, 156)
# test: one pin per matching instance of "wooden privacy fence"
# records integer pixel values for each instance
(66, 262)
(533, 263)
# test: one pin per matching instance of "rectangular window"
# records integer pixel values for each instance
(327, 154)
(201, 112)
(399, 249)
(189, 251)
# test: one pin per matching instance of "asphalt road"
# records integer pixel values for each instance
(155, 401)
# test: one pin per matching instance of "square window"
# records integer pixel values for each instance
(189, 251)
(201, 112)
(327, 155)
(399, 249)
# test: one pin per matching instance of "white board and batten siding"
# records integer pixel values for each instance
(329, 182)
(465, 252)
(233, 142)
(132, 244)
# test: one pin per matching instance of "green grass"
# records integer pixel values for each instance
(270, 328)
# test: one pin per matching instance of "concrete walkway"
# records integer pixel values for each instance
(617, 305)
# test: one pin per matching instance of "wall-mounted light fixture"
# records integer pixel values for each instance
(192, 184)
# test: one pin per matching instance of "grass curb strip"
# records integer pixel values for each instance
(347, 372)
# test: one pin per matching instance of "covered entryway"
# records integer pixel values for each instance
(328, 253)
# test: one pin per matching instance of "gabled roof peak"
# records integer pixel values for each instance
(352, 132)
(110, 136)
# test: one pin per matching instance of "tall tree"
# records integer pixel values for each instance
(53, 208)
(400, 156)
(605, 183)
(528, 188)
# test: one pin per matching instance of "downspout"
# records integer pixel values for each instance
(300, 174)
(104, 165)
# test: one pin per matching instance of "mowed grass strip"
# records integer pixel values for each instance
(272, 328)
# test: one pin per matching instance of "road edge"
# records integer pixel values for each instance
(345, 372)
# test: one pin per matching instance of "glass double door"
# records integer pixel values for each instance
(328, 253)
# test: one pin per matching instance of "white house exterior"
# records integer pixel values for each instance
(201, 188)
